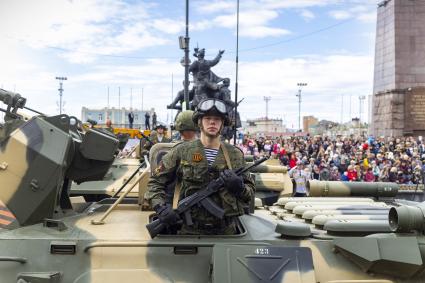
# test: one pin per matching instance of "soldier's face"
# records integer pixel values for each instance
(211, 125)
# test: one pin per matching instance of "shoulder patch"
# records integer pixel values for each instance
(196, 157)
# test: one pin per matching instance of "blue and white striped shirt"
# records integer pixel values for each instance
(211, 155)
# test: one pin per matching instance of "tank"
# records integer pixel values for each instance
(47, 236)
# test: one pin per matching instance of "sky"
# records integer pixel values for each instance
(133, 46)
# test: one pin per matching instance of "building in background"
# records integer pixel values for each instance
(118, 117)
(399, 75)
(264, 127)
(308, 122)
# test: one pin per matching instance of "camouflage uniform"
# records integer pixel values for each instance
(187, 162)
(153, 137)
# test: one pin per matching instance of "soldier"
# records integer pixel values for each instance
(195, 164)
(109, 126)
(160, 135)
(156, 136)
(185, 125)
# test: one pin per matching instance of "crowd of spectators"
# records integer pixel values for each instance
(400, 160)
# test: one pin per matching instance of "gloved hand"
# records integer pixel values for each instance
(167, 215)
(232, 182)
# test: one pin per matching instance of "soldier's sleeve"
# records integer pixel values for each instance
(164, 174)
(249, 183)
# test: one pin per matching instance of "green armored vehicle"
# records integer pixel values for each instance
(46, 236)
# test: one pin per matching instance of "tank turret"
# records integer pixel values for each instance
(40, 157)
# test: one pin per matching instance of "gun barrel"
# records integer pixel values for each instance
(406, 218)
(341, 189)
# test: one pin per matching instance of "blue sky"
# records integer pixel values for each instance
(97, 44)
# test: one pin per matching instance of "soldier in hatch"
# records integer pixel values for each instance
(185, 125)
(195, 164)
(156, 136)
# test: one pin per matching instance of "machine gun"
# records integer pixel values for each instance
(14, 101)
(202, 197)
(92, 122)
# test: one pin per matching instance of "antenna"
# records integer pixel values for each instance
(108, 97)
(237, 69)
(131, 98)
(186, 60)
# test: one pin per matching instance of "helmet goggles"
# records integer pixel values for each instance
(208, 104)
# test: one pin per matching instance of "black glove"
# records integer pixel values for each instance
(232, 182)
(167, 215)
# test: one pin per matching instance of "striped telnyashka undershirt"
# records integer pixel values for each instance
(211, 155)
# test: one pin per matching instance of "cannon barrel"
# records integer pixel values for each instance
(263, 168)
(340, 189)
(406, 218)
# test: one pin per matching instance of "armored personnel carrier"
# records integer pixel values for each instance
(361, 235)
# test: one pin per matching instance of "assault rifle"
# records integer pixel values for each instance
(145, 137)
(201, 197)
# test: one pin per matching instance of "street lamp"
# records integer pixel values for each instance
(361, 99)
(61, 79)
(300, 85)
(267, 99)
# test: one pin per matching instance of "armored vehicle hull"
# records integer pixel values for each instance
(263, 251)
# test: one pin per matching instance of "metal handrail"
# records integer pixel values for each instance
(150, 244)
(15, 259)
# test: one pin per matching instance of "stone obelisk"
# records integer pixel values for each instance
(398, 102)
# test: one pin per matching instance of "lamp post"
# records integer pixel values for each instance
(267, 99)
(61, 79)
(300, 85)
(361, 99)
(184, 45)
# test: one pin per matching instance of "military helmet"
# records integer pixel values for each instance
(211, 106)
(184, 121)
(160, 126)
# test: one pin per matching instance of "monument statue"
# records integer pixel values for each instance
(180, 98)
(206, 84)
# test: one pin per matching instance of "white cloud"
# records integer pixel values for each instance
(340, 14)
(84, 27)
(252, 23)
(369, 17)
(363, 13)
(168, 25)
(258, 15)
(307, 15)
(215, 6)
(261, 32)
